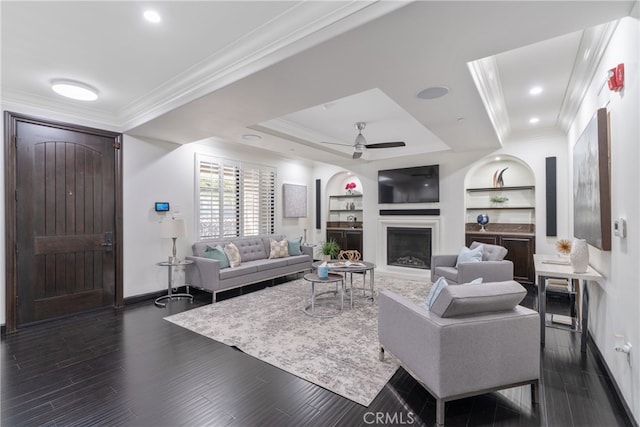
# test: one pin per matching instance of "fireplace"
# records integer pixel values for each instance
(418, 224)
(409, 247)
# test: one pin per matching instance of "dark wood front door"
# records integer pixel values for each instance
(66, 203)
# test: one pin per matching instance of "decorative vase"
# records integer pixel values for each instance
(349, 192)
(579, 256)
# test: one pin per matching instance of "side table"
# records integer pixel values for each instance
(548, 266)
(170, 295)
(332, 278)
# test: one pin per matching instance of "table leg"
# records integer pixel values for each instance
(542, 306)
(313, 297)
(170, 295)
(585, 317)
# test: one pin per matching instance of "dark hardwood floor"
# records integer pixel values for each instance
(132, 368)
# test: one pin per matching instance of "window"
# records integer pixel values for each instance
(234, 199)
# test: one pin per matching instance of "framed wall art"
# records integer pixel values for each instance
(591, 183)
(295, 200)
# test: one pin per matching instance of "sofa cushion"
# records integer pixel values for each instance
(298, 259)
(470, 255)
(268, 264)
(435, 290)
(241, 270)
(294, 246)
(454, 301)
(279, 249)
(250, 248)
(490, 252)
(233, 254)
(217, 252)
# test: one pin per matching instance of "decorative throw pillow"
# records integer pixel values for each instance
(294, 246)
(217, 253)
(279, 249)
(436, 288)
(470, 255)
(233, 254)
(474, 281)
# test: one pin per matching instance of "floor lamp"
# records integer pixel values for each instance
(172, 229)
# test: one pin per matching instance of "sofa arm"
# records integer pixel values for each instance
(307, 250)
(441, 261)
(408, 332)
(490, 271)
(204, 273)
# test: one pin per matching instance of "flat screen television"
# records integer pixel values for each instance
(420, 184)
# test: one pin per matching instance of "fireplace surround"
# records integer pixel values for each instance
(421, 225)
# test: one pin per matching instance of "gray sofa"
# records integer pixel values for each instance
(206, 274)
(473, 340)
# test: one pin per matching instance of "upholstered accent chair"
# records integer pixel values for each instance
(491, 268)
(474, 339)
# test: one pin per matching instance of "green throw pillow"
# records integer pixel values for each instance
(217, 253)
(294, 246)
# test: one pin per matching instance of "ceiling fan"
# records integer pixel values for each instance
(360, 144)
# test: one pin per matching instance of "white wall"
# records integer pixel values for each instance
(615, 305)
(159, 171)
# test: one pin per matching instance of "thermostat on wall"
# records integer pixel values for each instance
(620, 227)
(162, 206)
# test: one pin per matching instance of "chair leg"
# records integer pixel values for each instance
(535, 392)
(381, 354)
(439, 412)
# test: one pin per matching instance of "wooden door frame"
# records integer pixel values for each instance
(10, 183)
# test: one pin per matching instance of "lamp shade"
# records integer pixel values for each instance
(171, 228)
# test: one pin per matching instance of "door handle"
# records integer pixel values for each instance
(108, 242)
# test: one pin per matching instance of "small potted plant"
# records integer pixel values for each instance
(330, 249)
(498, 200)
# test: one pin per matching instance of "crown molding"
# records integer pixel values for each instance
(487, 79)
(299, 28)
(13, 100)
(590, 52)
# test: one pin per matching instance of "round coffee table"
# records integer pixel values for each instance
(335, 309)
(362, 267)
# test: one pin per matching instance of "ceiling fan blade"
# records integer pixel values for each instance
(357, 154)
(386, 144)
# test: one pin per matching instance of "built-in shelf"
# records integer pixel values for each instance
(502, 208)
(521, 187)
(345, 210)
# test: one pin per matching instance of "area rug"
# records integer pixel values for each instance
(338, 353)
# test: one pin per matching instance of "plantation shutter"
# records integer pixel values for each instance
(259, 187)
(234, 199)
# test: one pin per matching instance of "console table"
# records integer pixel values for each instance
(170, 295)
(550, 266)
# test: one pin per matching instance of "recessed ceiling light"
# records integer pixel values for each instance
(74, 90)
(433, 92)
(251, 137)
(497, 158)
(534, 120)
(152, 16)
(536, 90)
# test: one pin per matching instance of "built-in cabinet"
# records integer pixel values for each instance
(345, 221)
(348, 239)
(520, 250)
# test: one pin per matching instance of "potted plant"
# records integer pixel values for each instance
(330, 249)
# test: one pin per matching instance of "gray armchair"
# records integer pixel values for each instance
(474, 340)
(492, 268)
